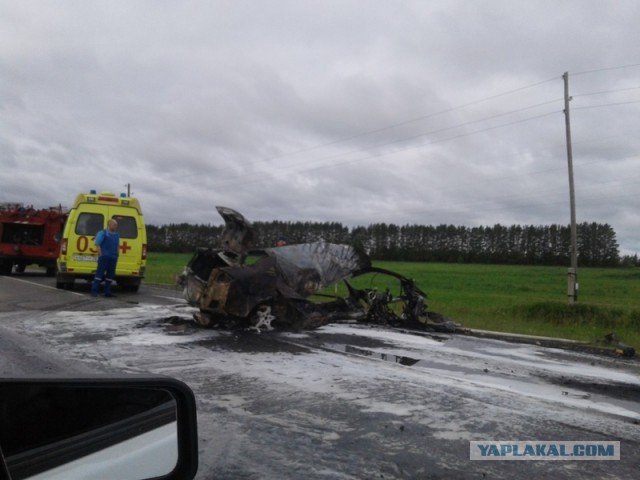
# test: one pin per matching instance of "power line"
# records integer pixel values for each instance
(260, 180)
(382, 154)
(433, 142)
(606, 69)
(413, 120)
(392, 126)
(423, 117)
(292, 166)
(606, 105)
(440, 130)
(383, 144)
(604, 91)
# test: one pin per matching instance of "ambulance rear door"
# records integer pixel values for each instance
(132, 236)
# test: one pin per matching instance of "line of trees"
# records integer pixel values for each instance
(515, 244)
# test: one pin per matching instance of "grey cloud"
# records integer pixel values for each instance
(348, 111)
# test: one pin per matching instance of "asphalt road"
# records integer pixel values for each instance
(345, 401)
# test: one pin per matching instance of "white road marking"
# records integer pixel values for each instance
(43, 286)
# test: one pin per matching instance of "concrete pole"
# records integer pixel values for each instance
(572, 289)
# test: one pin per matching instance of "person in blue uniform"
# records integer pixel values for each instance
(108, 245)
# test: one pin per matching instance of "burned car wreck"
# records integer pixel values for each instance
(236, 286)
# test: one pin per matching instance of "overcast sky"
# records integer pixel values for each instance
(360, 112)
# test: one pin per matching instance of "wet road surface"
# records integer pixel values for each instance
(345, 401)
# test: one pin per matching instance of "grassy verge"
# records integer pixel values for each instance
(533, 300)
(162, 268)
(518, 299)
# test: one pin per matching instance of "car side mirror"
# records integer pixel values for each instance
(124, 427)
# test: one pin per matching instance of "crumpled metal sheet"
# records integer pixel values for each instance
(237, 236)
(308, 268)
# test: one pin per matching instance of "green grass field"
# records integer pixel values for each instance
(517, 299)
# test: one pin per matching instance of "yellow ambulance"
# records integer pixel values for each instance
(90, 213)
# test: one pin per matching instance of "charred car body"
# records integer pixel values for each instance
(236, 286)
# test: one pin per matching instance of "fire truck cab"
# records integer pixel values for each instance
(29, 236)
(90, 213)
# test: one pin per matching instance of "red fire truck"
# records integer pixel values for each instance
(30, 236)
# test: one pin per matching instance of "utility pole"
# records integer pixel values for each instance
(128, 185)
(572, 289)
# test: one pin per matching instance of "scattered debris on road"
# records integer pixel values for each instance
(235, 286)
(619, 348)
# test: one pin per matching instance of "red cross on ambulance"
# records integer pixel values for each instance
(124, 247)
